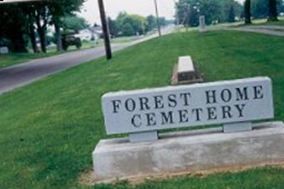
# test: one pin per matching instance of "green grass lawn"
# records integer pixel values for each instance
(280, 22)
(264, 21)
(49, 129)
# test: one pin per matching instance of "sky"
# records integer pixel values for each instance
(90, 9)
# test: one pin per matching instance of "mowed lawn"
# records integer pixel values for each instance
(49, 129)
(280, 22)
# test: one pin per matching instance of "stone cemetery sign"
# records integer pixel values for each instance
(221, 102)
(142, 113)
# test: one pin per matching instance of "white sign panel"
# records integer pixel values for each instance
(186, 106)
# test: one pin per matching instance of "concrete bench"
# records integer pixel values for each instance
(185, 72)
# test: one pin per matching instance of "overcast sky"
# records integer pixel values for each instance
(142, 7)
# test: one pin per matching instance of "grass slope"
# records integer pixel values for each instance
(279, 23)
(49, 129)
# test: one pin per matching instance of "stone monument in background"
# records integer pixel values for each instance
(202, 24)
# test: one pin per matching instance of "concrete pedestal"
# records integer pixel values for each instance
(190, 151)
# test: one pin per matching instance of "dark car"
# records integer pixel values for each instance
(70, 40)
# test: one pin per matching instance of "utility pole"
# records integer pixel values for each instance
(105, 30)
(158, 18)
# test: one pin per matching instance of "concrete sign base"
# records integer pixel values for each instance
(189, 151)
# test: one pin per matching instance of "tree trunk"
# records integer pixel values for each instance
(58, 36)
(33, 38)
(272, 10)
(42, 39)
(247, 12)
(32, 32)
(231, 16)
(41, 28)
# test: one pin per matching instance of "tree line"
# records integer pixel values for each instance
(132, 24)
(25, 22)
(262, 9)
(217, 11)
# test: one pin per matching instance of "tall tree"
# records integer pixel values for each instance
(56, 10)
(231, 10)
(131, 24)
(272, 10)
(113, 29)
(247, 11)
(32, 32)
(74, 23)
(29, 10)
(188, 11)
(13, 27)
(127, 30)
(211, 9)
(58, 36)
(42, 17)
(281, 5)
(259, 8)
(151, 22)
(59, 10)
(20, 20)
(231, 16)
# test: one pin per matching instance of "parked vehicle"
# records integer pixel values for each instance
(70, 40)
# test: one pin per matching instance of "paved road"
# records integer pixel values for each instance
(26, 73)
(23, 74)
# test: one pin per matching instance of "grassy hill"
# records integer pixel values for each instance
(49, 129)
